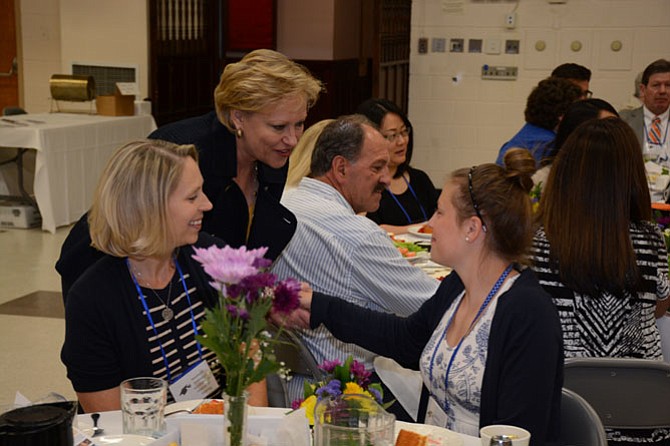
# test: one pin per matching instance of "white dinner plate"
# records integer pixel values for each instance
(436, 435)
(414, 230)
(182, 407)
(123, 440)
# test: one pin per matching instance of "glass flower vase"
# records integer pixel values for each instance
(235, 419)
(352, 420)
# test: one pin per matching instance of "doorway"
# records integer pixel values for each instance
(9, 79)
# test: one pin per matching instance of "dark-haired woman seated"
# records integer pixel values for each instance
(411, 197)
(488, 343)
(599, 254)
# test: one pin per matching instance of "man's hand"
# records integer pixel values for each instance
(298, 318)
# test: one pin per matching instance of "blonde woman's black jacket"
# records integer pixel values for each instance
(272, 225)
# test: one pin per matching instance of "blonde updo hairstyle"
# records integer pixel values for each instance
(261, 78)
(129, 215)
(502, 196)
(301, 156)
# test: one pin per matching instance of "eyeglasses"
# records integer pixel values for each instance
(391, 137)
(472, 197)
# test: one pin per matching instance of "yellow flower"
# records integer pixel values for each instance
(309, 405)
(352, 387)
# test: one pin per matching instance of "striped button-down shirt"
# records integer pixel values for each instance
(348, 256)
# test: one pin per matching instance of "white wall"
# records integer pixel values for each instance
(305, 28)
(56, 33)
(40, 50)
(461, 120)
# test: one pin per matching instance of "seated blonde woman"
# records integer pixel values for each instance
(135, 311)
(301, 157)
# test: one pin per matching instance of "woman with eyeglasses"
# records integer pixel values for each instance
(411, 197)
(488, 343)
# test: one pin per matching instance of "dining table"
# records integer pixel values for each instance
(71, 152)
(111, 423)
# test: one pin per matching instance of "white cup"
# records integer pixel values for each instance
(143, 406)
(520, 437)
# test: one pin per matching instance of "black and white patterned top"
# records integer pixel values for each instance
(609, 326)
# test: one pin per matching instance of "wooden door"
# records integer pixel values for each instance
(390, 61)
(9, 84)
(184, 56)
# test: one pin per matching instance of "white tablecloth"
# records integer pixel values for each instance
(111, 422)
(72, 150)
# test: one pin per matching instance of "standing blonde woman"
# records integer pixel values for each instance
(261, 106)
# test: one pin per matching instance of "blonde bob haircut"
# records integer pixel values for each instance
(261, 78)
(129, 215)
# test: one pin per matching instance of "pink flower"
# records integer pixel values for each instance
(328, 366)
(229, 265)
(361, 375)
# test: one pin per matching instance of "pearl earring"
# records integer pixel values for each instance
(239, 133)
(467, 239)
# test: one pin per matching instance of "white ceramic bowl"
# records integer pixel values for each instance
(520, 437)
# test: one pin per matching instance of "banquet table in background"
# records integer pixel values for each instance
(71, 151)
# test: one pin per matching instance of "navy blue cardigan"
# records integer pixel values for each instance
(524, 366)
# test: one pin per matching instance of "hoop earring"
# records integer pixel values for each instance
(239, 133)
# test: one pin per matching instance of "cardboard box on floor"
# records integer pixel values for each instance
(121, 103)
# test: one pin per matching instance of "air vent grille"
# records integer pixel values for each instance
(106, 77)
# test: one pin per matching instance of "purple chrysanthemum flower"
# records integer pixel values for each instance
(286, 296)
(375, 393)
(333, 388)
(328, 366)
(295, 405)
(262, 262)
(238, 312)
(253, 285)
(233, 291)
(361, 375)
(229, 265)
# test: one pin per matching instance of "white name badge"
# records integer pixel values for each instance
(435, 416)
(196, 383)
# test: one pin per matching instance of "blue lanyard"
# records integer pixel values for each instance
(402, 208)
(151, 320)
(493, 292)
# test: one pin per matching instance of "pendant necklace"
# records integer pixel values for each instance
(166, 313)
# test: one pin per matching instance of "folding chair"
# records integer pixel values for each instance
(625, 393)
(297, 358)
(580, 424)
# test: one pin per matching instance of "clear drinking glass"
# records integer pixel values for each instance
(143, 406)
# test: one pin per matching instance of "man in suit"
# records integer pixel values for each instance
(650, 121)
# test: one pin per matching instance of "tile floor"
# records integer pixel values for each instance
(31, 322)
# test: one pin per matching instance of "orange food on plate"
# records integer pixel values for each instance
(425, 229)
(407, 438)
(212, 407)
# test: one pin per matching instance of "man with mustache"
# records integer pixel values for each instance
(335, 248)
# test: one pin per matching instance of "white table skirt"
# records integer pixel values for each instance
(72, 150)
(111, 422)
